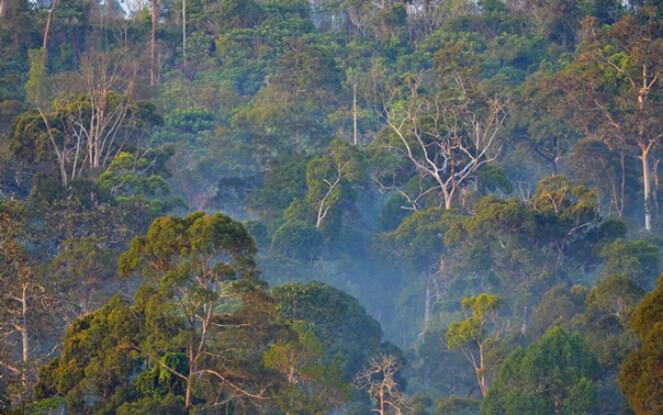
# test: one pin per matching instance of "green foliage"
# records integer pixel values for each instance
(553, 375)
(640, 372)
(476, 327)
(336, 319)
(297, 240)
(455, 405)
(36, 87)
(639, 260)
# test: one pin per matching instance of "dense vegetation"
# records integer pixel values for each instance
(331, 207)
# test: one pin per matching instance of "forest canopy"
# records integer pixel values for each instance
(318, 207)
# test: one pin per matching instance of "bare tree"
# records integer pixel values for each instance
(446, 138)
(88, 132)
(379, 382)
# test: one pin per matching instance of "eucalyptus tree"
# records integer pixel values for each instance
(615, 83)
(202, 264)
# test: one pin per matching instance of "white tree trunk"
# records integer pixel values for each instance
(646, 188)
(355, 130)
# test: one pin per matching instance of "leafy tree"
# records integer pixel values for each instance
(336, 318)
(328, 178)
(639, 260)
(298, 240)
(553, 375)
(608, 309)
(640, 372)
(616, 71)
(81, 270)
(312, 386)
(477, 335)
(194, 262)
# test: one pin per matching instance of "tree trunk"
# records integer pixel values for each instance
(646, 187)
(153, 43)
(427, 306)
(448, 197)
(2, 9)
(49, 21)
(656, 186)
(622, 190)
(184, 31)
(355, 130)
(481, 373)
(25, 350)
(187, 397)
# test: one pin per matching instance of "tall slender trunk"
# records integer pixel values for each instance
(427, 307)
(646, 186)
(657, 162)
(153, 43)
(49, 21)
(187, 397)
(355, 130)
(481, 372)
(622, 184)
(2, 9)
(25, 349)
(184, 31)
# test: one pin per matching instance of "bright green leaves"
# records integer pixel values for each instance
(98, 358)
(479, 323)
(478, 335)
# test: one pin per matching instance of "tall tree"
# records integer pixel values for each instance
(477, 335)
(195, 260)
(23, 298)
(615, 83)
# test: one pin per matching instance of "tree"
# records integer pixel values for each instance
(81, 270)
(449, 133)
(545, 120)
(638, 260)
(312, 386)
(552, 376)
(194, 261)
(642, 370)
(328, 176)
(477, 335)
(23, 301)
(85, 133)
(608, 309)
(336, 318)
(614, 82)
(49, 21)
(380, 383)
